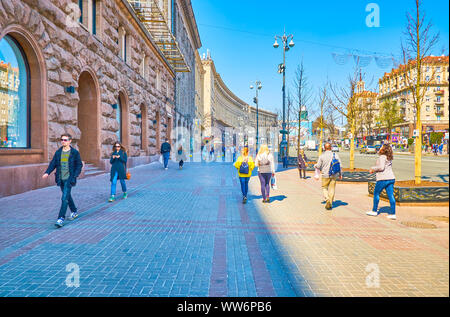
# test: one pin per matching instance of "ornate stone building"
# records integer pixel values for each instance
(222, 109)
(186, 32)
(102, 75)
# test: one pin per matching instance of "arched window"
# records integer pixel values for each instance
(14, 95)
(119, 120)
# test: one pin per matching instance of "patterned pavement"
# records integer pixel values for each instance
(187, 233)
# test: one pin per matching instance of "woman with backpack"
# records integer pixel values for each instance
(245, 166)
(266, 170)
(180, 156)
(385, 180)
(302, 163)
(118, 170)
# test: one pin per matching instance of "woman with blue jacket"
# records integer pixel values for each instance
(118, 170)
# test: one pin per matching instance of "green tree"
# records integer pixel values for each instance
(389, 115)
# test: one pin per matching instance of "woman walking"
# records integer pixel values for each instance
(118, 170)
(385, 180)
(266, 170)
(302, 163)
(244, 165)
(180, 156)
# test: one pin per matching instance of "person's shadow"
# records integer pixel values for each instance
(278, 198)
(338, 203)
(385, 210)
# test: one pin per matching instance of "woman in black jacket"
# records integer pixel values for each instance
(118, 170)
(302, 163)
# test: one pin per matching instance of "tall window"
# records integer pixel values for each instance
(14, 95)
(119, 120)
(158, 79)
(88, 17)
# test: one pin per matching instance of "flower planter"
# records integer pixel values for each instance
(357, 175)
(417, 194)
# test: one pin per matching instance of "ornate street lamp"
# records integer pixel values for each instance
(282, 68)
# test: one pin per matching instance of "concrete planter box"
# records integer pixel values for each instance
(438, 194)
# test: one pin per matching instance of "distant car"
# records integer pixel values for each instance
(334, 148)
(369, 149)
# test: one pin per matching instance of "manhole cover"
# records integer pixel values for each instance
(422, 225)
(437, 218)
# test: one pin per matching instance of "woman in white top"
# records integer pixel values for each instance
(266, 169)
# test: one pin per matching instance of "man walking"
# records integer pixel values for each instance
(328, 181)
(165, 152)
(67, 162)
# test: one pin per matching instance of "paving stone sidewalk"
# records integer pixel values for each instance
(187, 233)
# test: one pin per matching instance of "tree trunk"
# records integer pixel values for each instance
(352, 144)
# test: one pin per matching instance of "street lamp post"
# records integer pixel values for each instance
(282, 68)
(255, 100)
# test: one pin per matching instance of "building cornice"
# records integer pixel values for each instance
(191, 24)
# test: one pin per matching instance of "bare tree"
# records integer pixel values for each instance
(419, 44)
(302, 98)
(346, 103)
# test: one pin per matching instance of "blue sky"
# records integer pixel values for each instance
(240, 34)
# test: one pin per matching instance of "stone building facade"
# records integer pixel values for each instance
(222, 109)
(186, 32)
(99, 76)
(395, 85)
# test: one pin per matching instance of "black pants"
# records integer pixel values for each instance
(300, 170)
(181, 163)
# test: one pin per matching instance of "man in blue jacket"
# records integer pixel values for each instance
(67, 162)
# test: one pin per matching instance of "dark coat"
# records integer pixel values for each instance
(118, 165)
(165, 147)
(302, 161)
(75, 166)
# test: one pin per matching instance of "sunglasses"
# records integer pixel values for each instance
(64, 140)
(117, 146)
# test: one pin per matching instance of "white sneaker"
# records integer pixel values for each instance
(372, 213)
(392, 217)
(166, 168)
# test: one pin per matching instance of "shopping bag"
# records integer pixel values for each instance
(161, 159)
(317, 174)
(273, 183)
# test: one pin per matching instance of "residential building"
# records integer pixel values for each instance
(434, 112)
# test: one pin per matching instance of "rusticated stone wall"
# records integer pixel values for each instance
(68, 51)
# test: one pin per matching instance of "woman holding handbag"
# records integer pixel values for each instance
(302, 163)
(244, 165)
(266, 170)
(118, 170)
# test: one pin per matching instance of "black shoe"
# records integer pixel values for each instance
(328, 205)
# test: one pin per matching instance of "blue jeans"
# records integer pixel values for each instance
(244, 185)
(66, 199)
(379, 186)
(114, 184)
(166, 156)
